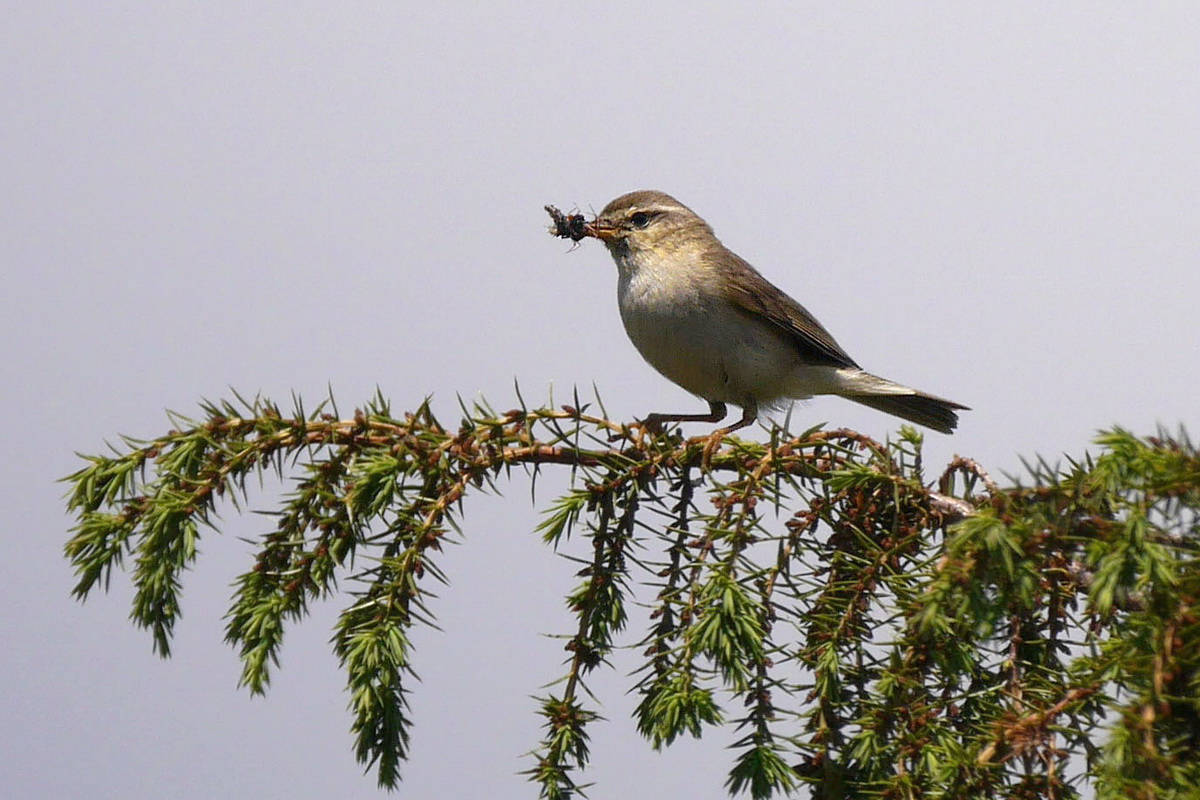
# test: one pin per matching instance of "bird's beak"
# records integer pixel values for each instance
(600, 230)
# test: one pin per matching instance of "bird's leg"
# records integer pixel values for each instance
(749, 417)
(716, 412)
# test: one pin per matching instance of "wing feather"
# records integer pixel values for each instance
(748, 290)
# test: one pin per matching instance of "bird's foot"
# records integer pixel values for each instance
(710, 448)
(653, 424)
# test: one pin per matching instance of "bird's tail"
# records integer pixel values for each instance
(936, 413)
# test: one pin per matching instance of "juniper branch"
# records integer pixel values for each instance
(883, 638)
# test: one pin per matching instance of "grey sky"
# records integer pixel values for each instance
(999, 206)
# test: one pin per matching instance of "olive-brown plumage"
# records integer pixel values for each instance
(708, 321)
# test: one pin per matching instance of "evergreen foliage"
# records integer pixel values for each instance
(869, 629)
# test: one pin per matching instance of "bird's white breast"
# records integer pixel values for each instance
(684, 326)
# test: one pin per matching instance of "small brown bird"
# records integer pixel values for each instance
(709, 322)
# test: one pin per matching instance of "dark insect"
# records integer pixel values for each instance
(566, 226)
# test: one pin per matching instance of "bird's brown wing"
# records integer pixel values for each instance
(750, 291)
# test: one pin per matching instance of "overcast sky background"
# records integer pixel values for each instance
(1000, 205)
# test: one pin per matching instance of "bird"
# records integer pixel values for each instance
(709, 322)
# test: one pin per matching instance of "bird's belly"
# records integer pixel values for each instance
(717, 354)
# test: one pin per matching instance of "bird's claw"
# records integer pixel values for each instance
(710, 449)
(652, 425)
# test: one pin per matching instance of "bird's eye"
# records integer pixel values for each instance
(640, 219)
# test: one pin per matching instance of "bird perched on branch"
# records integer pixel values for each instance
(709, 322)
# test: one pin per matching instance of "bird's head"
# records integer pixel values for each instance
(647, 221)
